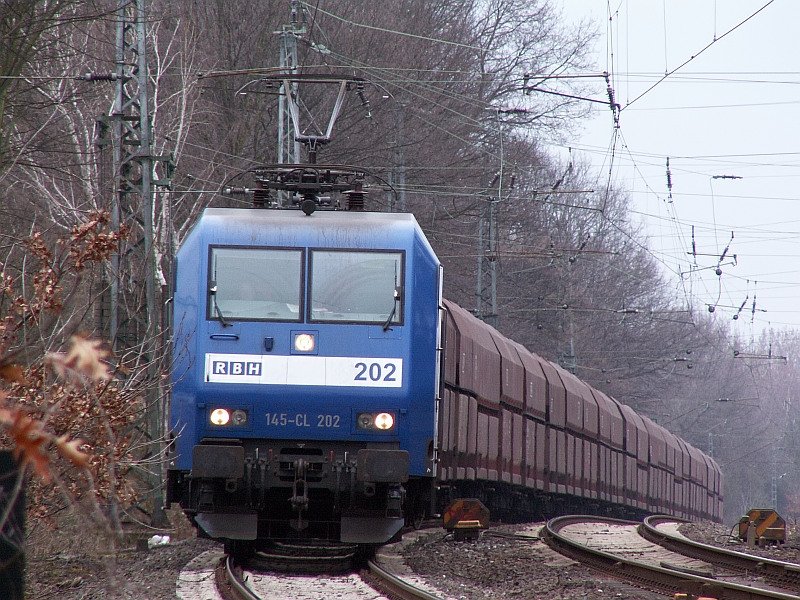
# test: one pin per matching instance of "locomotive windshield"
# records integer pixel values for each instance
(357, 287)
(255, 284)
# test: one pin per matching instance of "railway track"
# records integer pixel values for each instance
(663, 531)
(616, 547)
(214, 576)
(373, 583)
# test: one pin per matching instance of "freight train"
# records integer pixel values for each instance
(322, 388)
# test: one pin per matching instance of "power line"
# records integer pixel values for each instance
(393, 31)
(694, 56)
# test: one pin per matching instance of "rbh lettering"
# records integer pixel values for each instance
(236, 367)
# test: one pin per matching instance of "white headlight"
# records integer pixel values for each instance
(220, 416)
(384, 421)
(304, 342)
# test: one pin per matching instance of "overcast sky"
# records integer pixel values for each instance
(731, 111)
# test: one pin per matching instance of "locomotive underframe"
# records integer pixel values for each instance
(254, 489)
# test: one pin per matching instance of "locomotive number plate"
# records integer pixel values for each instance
(304, 420)
(339, 371)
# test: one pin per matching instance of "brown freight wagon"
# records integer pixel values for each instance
(520, 431)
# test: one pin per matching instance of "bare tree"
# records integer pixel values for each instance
(55, 251)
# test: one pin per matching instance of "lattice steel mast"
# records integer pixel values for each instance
(134, 313)
(288, 146)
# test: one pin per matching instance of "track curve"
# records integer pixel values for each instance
(615, 547)
(662, 530)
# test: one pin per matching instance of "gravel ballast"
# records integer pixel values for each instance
(496, 565)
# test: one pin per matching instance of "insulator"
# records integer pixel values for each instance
(260, 198)
(235, 191)
(355, 197)
(355, 201)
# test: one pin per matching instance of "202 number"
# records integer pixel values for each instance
(327, 420)
(375, 372)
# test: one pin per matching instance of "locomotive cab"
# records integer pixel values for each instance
(305, 374)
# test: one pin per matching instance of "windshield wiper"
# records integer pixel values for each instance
(388, 322)
(391, 316)
(213, 291)
(397, 292)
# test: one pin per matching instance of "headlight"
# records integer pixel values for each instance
(224, 416)
(220, 416)
(375, 421)
(304, 342)
(239, 417)
(384, 421)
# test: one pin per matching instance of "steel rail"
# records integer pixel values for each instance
(237, 583)
(778, 571)
(663, 578)
(397, 587)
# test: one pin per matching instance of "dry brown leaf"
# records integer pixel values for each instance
(71, 451)
(85, 358)
(29, 441)
(12, 373)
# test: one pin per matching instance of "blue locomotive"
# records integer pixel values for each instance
(305, 374)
